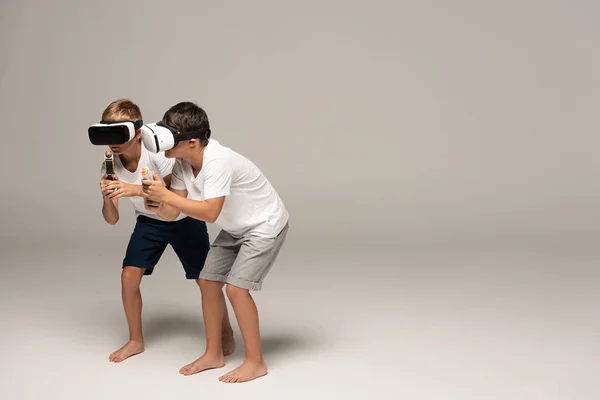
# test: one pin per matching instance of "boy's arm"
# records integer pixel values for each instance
(206, 210)
(118, 189)
(218, 176)
(110, 207)
(169, 203)
(217, 186)
(164, 210)
(110, 210)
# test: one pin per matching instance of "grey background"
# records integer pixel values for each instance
(439, 161)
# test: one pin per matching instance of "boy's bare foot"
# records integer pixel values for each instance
(202, 364)
(131, 348)
(228, 344)
(245, 372)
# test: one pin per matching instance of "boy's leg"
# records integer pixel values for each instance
(227, 339)
(146, 245)
(191, 244)
(247, 316)
(219, 335)
(213, 309)
(253, 262)
(132, 303)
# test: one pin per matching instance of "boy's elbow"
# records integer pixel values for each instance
(212, 218)
(111, 221)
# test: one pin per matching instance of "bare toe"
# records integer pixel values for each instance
(203, 363)
(223, 378)
(130, 349)
(246, 372)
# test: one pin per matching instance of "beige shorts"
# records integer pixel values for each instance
(242, 262)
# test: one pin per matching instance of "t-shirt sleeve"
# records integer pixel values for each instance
(177, 181)
(163, 165)
(217, 179)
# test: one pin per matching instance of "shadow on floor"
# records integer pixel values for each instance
(164, 324)
(159, 327)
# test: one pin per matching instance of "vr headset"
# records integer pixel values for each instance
(159, 136)
(107, 133)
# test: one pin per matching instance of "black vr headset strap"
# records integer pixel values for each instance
(192, 135)
(179, 136)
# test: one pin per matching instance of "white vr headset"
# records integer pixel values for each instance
(107, 133)
(159, 136)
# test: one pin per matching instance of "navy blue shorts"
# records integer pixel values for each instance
(188, 237)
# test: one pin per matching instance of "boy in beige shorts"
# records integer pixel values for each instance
(227, 189)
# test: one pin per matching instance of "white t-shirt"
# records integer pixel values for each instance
(252, 206)
(156, 162)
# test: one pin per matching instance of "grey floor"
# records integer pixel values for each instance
(453, 321)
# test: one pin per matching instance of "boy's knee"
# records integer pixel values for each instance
(209, 286)
(131, 277)
(234, 292)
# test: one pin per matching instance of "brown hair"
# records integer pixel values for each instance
(186, 117)
(121, 110)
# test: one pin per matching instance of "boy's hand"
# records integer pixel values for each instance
(104, 181)
(116, 189)
(154, 189)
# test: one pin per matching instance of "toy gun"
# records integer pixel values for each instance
(109, 164)
(146, 175)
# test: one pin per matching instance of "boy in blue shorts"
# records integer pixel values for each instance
(187, 236)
